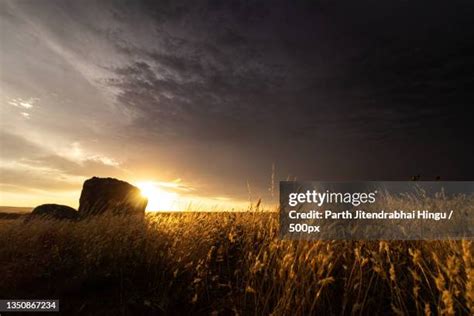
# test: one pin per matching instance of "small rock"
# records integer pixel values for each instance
(54, 211)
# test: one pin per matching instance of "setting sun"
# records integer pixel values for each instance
(158, 199)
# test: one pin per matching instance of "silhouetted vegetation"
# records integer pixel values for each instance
(177, 263)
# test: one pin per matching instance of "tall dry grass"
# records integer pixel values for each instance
(210, 263)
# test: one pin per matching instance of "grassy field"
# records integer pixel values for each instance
(209, 263)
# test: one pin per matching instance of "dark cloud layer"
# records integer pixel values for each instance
(395, 75)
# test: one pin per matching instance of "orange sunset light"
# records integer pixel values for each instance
(158, 198)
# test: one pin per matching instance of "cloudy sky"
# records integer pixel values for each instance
(204, 97)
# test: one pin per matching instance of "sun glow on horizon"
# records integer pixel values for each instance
(158, 199)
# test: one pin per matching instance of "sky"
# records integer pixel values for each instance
(216, 101)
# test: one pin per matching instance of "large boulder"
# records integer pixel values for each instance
(54, 211)
(108, 195)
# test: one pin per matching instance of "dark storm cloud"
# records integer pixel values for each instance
(243, 70)
(228, 77)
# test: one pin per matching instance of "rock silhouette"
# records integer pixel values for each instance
(54, 211)
(108, 195)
